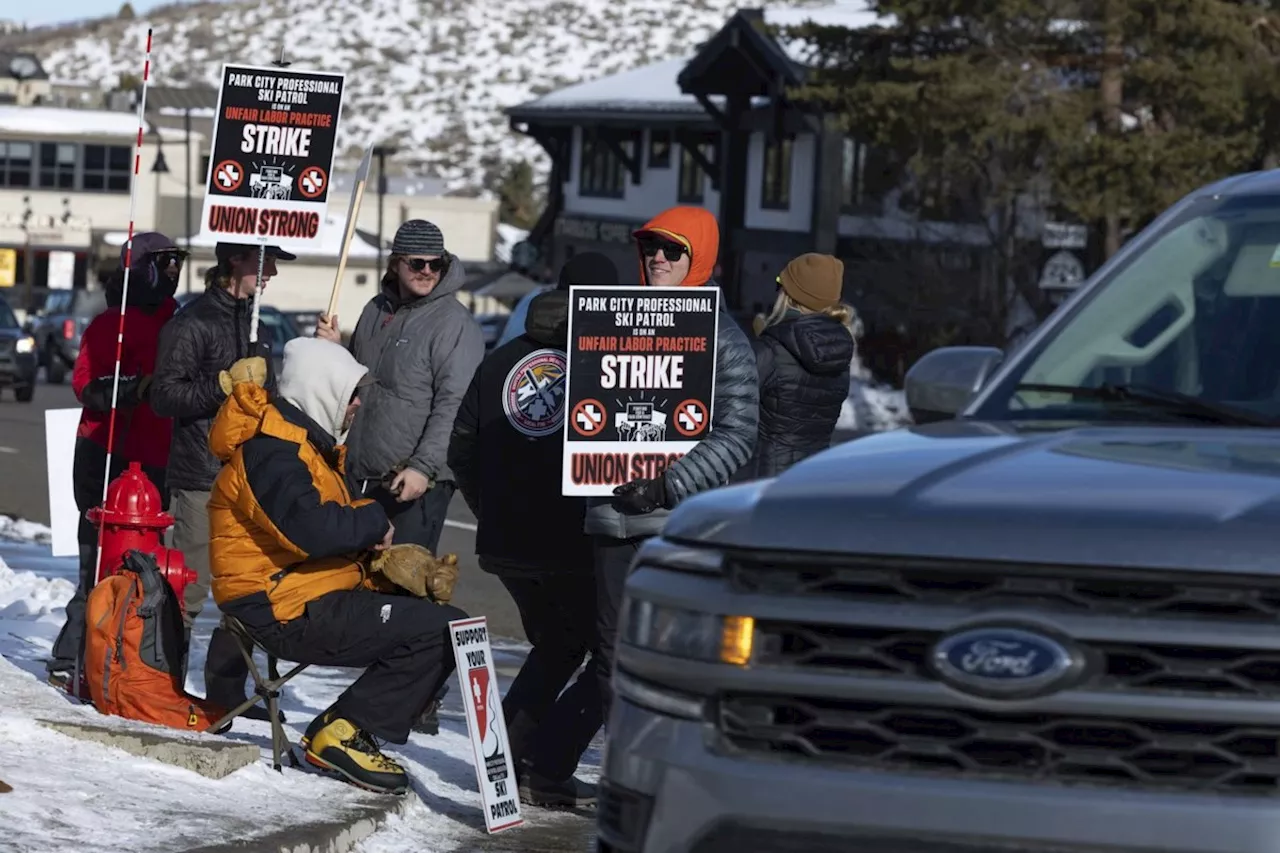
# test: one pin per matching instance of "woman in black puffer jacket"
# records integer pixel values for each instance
(803, 349)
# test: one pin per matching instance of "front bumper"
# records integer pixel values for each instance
(18, 370)
(669, 787)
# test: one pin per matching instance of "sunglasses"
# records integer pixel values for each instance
(169, 256)
(420, 264)
(670, 251)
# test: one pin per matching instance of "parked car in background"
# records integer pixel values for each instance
(19, 361)
(58, 324)
(274, 326)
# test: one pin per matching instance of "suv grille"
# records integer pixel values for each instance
(1008, 746)
(1103, 592)
(1126, 667)
(1167, 742)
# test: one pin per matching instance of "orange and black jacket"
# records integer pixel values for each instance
(282, 522)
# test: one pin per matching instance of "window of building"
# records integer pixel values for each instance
(867, 175)
(58, 165)
(660, 149)
(204, 166)
(602, 174)
(15, 163)
(692, 179)
(107, 168)
(776, 191)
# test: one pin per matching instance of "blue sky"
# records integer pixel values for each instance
(69, 10)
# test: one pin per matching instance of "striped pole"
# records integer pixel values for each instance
(124, 301)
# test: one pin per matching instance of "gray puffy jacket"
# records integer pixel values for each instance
(715, 459)
(422, 354)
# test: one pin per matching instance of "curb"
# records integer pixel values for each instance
(340, 835)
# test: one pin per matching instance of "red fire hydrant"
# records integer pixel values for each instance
(132, 519)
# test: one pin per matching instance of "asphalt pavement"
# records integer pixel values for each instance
(24, 493)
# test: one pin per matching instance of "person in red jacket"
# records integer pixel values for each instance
(140, 435)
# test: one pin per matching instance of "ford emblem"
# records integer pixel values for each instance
(1004, 662)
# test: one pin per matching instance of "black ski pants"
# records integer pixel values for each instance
(402, 640)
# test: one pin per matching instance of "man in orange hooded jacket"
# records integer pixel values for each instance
(677, 248)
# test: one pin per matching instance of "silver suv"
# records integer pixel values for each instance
(1048, 619)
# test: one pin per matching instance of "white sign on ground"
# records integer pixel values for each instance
(59, 451)
(478, 681)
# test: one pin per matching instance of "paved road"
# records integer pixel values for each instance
(24, 492)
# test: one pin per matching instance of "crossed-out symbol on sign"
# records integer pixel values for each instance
(228, 176)
(588, 417)
(312, 181)
(691, 418)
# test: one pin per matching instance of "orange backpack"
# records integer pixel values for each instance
(134, 649)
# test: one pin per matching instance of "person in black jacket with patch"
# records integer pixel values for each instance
(803, 352)
(507, 432)
(204, 338)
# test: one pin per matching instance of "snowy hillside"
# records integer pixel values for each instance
(432, 75)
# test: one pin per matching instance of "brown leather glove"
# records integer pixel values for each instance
(415, 570)
(252, 369)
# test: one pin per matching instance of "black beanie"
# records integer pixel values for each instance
(589, 268)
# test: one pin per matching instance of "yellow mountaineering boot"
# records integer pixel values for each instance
(352, 753)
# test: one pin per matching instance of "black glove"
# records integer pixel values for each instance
(642, 496)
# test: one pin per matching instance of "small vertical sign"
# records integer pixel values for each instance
(486, 726)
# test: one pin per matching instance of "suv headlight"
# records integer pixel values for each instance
(688, 634)
(26, 345)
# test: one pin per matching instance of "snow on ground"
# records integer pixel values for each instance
(84, 780)
(18, 530)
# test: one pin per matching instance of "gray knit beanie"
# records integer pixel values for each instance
(418, 237)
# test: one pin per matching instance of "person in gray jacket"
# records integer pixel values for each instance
(678, 248)
(421, 347)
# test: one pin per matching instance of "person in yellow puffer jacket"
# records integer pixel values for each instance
(290, 552)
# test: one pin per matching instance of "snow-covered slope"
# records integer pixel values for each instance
(433, 75)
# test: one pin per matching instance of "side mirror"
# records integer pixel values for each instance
(941, 384)
(28, 327)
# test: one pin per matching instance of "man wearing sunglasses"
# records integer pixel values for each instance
(141, 436)
(677, 248)
(422, 348)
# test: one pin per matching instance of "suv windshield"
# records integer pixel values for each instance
(1189, 317)
(7, 318)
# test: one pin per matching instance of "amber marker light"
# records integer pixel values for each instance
(736, 640)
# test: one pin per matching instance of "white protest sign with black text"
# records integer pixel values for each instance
(271, 157)
(478, 681)
(641, 384)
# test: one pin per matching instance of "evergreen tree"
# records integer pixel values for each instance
(975, 106)
(1111, 109)
(126, 12)
(519, 195)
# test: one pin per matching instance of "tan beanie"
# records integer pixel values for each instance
(814, 281)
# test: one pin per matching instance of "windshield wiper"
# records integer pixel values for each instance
(1172, 402)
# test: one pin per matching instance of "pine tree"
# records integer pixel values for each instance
(519, 195)
(973, 105)
(126, 12)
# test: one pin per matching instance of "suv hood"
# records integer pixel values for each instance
(1203, 499)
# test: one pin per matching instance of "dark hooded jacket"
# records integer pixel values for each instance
(507, 450)
(422, 354)
(205, 337)
(803, 363)
(735, 411)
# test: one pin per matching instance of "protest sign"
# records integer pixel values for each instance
(482, 705)
(271, 157)
(641, 385)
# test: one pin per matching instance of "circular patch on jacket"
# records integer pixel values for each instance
(533, 394)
